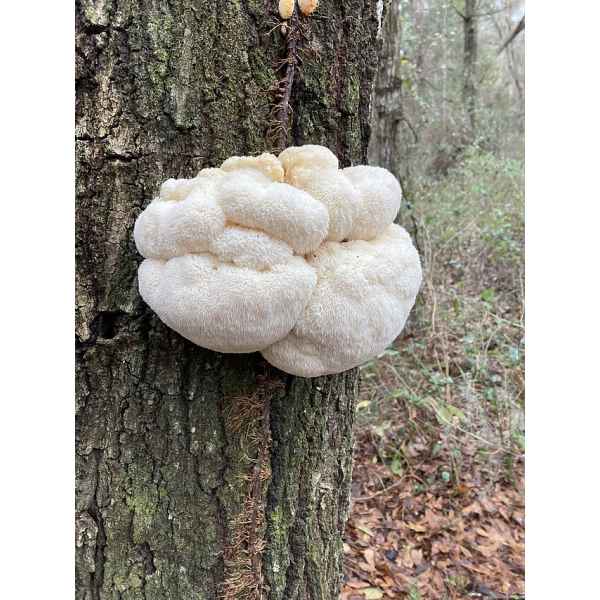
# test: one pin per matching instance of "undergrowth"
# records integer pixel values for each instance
(452, 387)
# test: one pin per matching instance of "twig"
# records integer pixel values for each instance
(520, 27)
(383, 491)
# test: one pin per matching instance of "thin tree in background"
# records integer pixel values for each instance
(470, 26)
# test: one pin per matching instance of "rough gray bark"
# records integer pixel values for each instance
(386, 107)
(200, 475)
(389, 123)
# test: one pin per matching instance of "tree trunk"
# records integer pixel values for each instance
(385, 149)
(201, 475)
(469, 64)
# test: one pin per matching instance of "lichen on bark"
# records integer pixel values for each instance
(164, 88)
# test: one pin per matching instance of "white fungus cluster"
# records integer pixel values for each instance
(290, 256)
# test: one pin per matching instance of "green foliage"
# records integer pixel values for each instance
(413, 593)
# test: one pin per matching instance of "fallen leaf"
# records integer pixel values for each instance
(369, 555)
(417, 557)
(473, 508)
(372, 593)
(365, 530)
(357, 584)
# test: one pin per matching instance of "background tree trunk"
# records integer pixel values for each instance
(385, 149)
(199, 474)
(470, 25)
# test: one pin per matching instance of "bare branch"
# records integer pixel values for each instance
(520, 27)
(458, 12)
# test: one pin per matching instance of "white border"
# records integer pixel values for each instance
(562, 299)
(37, 300)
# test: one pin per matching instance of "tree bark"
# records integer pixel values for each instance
(201, 475)
(387, 114)
(470, 26)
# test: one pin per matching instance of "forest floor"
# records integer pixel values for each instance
(438, 486)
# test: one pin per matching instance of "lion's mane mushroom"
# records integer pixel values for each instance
(288, 255)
